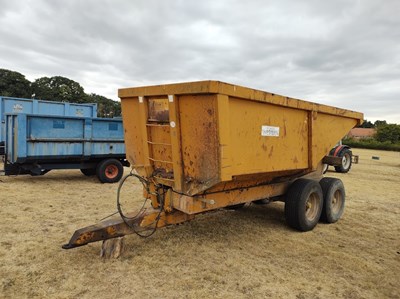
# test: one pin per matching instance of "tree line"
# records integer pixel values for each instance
(384, 132)
(57, 88)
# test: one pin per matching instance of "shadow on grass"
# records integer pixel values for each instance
(55, 175)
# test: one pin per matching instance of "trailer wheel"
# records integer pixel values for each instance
(346, 161)
(334, 199)
(88, 171)
(109, 171)
(303, 204)
(262, 201)
(235, 207)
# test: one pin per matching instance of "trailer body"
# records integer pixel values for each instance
(201, 146)
(36, 144)
(33, 106)
(205, 135)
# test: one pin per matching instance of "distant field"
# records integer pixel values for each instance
(249, 253)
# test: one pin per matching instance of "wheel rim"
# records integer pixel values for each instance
(111, 171)
(312, 205)
(346, 161)
(337, 201)
(325, 168)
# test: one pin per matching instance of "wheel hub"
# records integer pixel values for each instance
(336, 201)
(312, 207)
(346, 161)
(111, 171)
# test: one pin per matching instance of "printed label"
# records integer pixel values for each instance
(112, 127)
(58, 124)
(269, 131)
(18, 108)
(79, 112)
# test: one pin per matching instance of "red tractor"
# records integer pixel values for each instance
(346, 156)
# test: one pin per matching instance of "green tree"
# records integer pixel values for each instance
(58, 89)
(105, 107)
(388, 132)
(14, 84)
(366, 124)
(379, 123)
(55, 89)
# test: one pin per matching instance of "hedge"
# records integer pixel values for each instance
(372, 144)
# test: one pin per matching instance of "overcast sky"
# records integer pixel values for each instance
(342, 53)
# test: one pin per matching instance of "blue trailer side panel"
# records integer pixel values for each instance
(107, 131)
(50, 149)
(21, 125)
(32, 106)
(41, 137)
(12, 149)
(55, 127)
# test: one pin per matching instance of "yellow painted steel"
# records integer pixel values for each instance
(209, 136)
(206, 145)
(206, 202)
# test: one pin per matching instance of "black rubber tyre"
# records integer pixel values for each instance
(303, 204)
(334, 199)
(262, 201)
(88, 171)
(346, 155)
(235, 207)
(2, 148)
(109, 171)
(38, 172)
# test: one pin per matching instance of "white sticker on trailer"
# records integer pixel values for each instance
(269, 131)
(18, 108)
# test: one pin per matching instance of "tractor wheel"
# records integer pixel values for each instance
(346, 161)
(325, 168)
(303, 204)
(334, 199)
(88, 171)
(109, 171)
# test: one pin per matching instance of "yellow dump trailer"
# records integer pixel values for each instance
(201, 146)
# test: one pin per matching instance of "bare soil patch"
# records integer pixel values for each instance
(249, 253)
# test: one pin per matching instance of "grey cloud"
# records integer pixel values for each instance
(343, 53)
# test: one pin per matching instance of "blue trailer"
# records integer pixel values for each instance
(36, 144)
(32, 106)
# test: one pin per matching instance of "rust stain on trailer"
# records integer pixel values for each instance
(85, 237)
(271, 152)
(199, 142)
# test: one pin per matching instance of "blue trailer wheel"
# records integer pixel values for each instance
(88, 171)
(109, 171)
